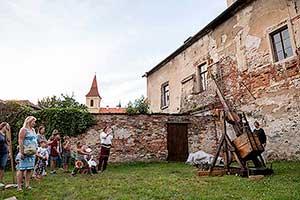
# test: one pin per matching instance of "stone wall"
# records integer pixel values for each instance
(144, 137)
(239, 51)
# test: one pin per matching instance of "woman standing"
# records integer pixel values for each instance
(41, 135)
(66, 153)
(4, 150)
(27, 147)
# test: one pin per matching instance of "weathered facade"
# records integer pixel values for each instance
(253, 47)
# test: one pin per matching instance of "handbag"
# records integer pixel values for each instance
(30, 149)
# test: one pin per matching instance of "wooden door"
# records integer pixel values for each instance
(177, 142)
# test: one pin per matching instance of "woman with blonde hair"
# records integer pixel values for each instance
(27, 147)
(4, 150)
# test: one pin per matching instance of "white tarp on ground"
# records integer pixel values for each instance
(201, 157)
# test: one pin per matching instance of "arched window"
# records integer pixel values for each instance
(92, 102)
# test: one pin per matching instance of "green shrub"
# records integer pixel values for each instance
(68, 121)
(140, 106)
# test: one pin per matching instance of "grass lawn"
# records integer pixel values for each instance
(162, 181)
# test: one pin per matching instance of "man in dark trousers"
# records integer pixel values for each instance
(263, 140)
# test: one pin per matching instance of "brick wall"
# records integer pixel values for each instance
(144, 137)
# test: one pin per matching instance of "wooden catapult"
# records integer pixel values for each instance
(244, 148)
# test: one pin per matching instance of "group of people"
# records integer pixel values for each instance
(35, 152)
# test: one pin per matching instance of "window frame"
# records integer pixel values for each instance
(286, 24)
(281, 41)
(200, 86)
(92, 103)
(165, 95)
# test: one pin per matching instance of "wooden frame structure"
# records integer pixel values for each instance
(244, 148)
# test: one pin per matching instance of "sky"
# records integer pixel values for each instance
(53, 47)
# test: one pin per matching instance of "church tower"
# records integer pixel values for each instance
(93, 98)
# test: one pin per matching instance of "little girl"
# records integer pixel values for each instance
(80, 160)
(42, 158)
(17, 159)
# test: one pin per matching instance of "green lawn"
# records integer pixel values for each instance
(163, 181)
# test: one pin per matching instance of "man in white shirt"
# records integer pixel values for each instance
(106, 140)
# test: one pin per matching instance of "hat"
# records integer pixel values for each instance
(89, 150)
(55, 132)
(43, 141)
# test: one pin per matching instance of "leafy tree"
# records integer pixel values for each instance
(140, 106)
(68, 120)
(64, 101)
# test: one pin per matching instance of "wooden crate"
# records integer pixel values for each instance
(248, 145)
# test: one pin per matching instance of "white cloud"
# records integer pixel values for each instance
(49, 47)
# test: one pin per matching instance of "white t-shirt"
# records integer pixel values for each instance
(92, 163)
(106, 138)
(43, 151)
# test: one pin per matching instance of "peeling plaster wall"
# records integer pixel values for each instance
(239, 51)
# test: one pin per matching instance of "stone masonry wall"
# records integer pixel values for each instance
(239, 51)
(144, 137)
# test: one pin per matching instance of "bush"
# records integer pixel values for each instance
(140, 106)
(68, 121)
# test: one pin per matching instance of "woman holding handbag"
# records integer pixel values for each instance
(27, 146)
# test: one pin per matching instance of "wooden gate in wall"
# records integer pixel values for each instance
(177, 141)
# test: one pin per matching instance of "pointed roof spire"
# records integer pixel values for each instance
(94, 89)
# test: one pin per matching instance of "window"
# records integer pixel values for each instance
(92, 102)
(165, 95)
(281, 43)
(202, 81)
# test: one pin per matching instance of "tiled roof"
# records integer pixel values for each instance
(112, 110)
(94, 89)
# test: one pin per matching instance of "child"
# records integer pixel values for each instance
(42, 158)
(92, 165)
(17, 159)
(80, 160)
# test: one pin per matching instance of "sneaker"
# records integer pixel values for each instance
(28, 187)
(19, 189)
(53, 172)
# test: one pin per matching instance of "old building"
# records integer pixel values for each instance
(253, 48)
(93, 101)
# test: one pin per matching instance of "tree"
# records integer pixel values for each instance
(65, 101)
(140, 106)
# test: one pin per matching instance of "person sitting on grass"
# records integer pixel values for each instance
(42, 159)
(80, 161)
(92, 165)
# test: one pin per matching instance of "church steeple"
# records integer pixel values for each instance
(94, 89)
(93, 97)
